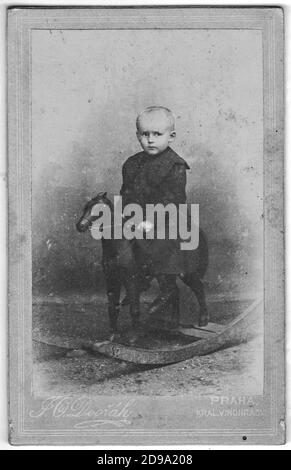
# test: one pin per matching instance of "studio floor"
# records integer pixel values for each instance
(237, 370)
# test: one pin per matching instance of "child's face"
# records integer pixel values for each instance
(154, 133)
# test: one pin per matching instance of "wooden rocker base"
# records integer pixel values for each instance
(207, 340)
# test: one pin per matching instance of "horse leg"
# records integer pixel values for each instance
(129, 275)
(132, 291)
(198, 288)
(113, 286)
(168, 296)
(144, 279)
(113, 294)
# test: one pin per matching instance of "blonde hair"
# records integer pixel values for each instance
(167, 112)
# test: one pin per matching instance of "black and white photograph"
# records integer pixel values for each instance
(146, 236)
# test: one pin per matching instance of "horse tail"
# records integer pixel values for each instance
(203, 254)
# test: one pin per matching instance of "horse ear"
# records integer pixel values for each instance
(101, 194)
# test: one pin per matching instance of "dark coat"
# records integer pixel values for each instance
(152, 180)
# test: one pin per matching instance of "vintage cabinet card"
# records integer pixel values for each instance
(146, 341)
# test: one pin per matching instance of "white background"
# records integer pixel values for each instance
(3, 199)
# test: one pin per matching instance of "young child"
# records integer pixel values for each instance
(157, 175)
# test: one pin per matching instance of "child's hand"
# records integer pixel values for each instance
(146, 226)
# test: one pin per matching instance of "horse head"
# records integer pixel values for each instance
(86, 220)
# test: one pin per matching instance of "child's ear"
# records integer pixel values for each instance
(172, 136)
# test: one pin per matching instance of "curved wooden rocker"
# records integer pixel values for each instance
(207, 340)
(210, 339)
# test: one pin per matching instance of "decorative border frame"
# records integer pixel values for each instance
(23, 429)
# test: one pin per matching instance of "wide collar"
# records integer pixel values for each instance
(157, 167)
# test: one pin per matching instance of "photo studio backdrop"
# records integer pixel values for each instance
(87, 89)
